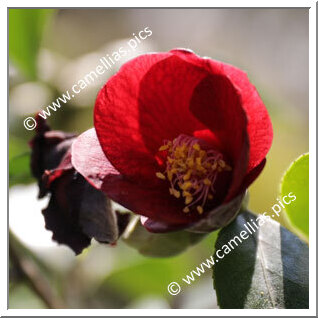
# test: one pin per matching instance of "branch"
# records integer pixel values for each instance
(31, 272)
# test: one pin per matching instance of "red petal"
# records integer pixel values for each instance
(260, 130)
(218, 105)
(116, 118)
(164, 101)
(259, 127)
(253, 174)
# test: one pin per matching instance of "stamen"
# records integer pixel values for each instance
(222, 163)
(191, 171)
(186, 210)
(200, 209)
(188, 200)
(160, 175)
(186, 185)
(196, 147)
(188, 175)
(176, 193)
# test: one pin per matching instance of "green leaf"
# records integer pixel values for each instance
(268, 269)
(296, 182)
(25, 32)
(157, 244)
(19, 169)
(17, 146)
(148, 277)
(19, 161)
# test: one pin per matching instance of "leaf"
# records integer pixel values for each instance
(25, 32)
(19, 162)
(19, 169)
(159, 245)
(17, 146)
(268, 269)
(296, 181)
(147, 277)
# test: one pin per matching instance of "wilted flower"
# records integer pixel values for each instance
(77, 212)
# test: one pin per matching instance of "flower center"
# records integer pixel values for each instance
(191, 171)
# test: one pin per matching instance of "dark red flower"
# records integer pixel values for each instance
(178, 140)
(77, 212)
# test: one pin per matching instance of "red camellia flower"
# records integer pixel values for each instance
(177, 139)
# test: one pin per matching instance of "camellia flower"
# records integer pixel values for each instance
(177, 139)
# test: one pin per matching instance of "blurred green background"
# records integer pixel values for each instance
(50, 50)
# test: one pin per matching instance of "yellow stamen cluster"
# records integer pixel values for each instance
(191, 171)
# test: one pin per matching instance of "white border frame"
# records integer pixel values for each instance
(312, 148)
